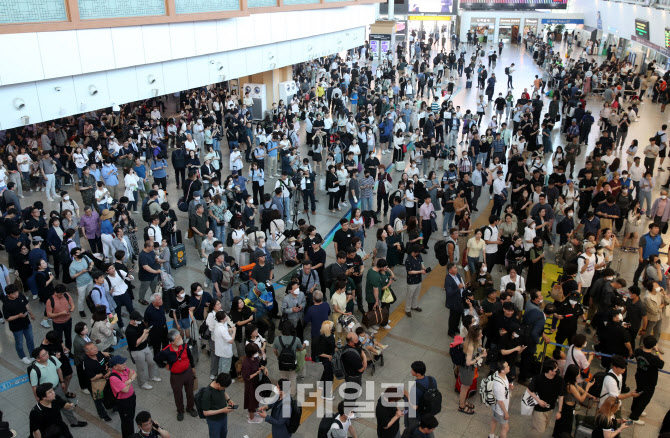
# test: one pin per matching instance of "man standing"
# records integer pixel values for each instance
(501, 395)
(59, 308)
(649, 360)
(149, 269)
(426, 218)
(415, 268)
(179, 361)
(508, 71)
(355, 363)
(535, 318)
(198, 223)
(154, 317)
(454, 287)
(280, 411)
(354, 190)
(307, 187)
(45, 417)
(216, 405)
(16, 310)
(137, 336)
(649, 244)
(96, 365)
(546, 389)
(121, 383)
(80, 269)
(492, 239)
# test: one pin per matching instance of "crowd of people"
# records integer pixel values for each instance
(87, 256)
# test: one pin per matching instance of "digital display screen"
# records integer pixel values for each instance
(433, 6)
(667, 37)
(642, 29)
(513, 4)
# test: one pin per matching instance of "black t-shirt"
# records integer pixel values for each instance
(181, 307)
(648, 365)
(133, 333)
(547, 389)
(93, 367)
(48, 420)
(352, 362)
(356, 262)
(343, 239)
(14, 307)
(261, 273)
(634, 314)
(603, 424)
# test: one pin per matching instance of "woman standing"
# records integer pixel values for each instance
(224, 338)
(381, 247)
(127, 224)
(257, 177)
(389, 416)
(606, 421)
(131, 181)
(80, 340)
(242, 316)
(472, 348)
(333, 189)
(54, 242)
(251, 371)
(357, 225)
(210, 320)
(217, 210)
(476, 246)
(102, 330)
(342, 180)
(326, 349)
(655, 302)
(535, 265)
(432, 187)
(573, 393)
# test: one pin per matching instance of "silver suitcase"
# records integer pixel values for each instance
(400, 166)
(583, 432)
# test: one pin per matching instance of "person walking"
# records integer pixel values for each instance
(216, 405)
(179, 361)
(649, 360)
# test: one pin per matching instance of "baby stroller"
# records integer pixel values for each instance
(350, 324)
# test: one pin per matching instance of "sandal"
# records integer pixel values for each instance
(470, 405)
(70, 395)
(144, 302)
(466, 410)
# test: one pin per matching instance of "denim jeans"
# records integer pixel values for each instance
(218, 428)
(216, 144)
(471, 264)
(448, 220)
(287, 209)
(18, 341)
(220, 232)
(366, 203)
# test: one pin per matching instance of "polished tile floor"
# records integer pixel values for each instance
(420, 338)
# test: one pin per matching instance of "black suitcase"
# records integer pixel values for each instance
(177, 256)
(468, 84)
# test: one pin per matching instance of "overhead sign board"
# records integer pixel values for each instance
(642, 28)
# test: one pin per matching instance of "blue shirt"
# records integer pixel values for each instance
(316, 315)
(96, 174)
(106, 227)
(156, 168)
(35, 255)
(141, 171)
(395, 211)
(257, 176)
(240, 182)
(99, 297)
(272, 144)
(110, 175)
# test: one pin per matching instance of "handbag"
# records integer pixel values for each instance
(98, 389)
(227, 216)
(376, 316)
(528, 403)
(264, 380)
(388, 296)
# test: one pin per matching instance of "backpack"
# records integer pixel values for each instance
(598, 380)
(108, 397)
(483, 230)
(287, 356)
(63, 255)
(431, 400)
(506, 70)
(197, 398)
(441, 253)
(146, 213)
(486, 389)
(146, 233)
(33, 367)
(338, 367)
(229, 239)
(3, 203)
(662, 85)
(296, 416)
(89, 299)
(326, 423)
(658, 139)
(457, 355)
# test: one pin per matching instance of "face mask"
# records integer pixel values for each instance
(570, 214)
(199, 293)
(664, 197)
(501, 178)
(251, 202)
(256, 355)
(572, 302)
(532, 227)
(361, 339)
(484, 268)
(600, 251)
(66, 198)
(197, 198)
(292, 243)
(181, 296)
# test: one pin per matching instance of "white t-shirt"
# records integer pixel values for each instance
(579, 359)
(79, 160)
(345, 425)
(237, 234)
(491, 233)
(528, 235)
(23, 160)
(611, 387)
(586, 277)
(103, 195)
(222, 338)
(501, 393)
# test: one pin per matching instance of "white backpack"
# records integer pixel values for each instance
(486, 389)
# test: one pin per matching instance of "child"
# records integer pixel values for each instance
(369, 344)
(559, 356)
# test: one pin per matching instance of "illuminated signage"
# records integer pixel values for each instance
(642, 29)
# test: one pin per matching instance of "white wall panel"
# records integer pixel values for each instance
(284, 55)
(279, 25)
(253, 59)
(226, 31)
(147, 73)
(245, 32)
(122, 85)
(21, 62)
(198, 71)
(156, 43)
(82, 88)
(96, 50)
(9, 115)
(52, 45)
(262, 24)
(175, 75)
(269, 57)
(182, 40)
(237, 65)
(57, 97)
(205, 37)
(128, 46)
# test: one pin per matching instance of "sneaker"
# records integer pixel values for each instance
(257, 419)
(34, 297)
(193, 412)
(146, 386)
(639, 422)
(156, 379)
(644, 414)
(82, 314)
(371, 330)
(85, 391)
(388, 327)
(50, 199)
(445, 234)
(45, 323)
(375, 327)
(107, 419)
(56, 196)
(26, 360)
(180, 416)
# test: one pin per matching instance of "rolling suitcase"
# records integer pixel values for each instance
(177, 256)
(468, 84)
(400, 166)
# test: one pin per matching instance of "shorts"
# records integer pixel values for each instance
(467, 374)
(662, 152)
(500, 419)
(185, 323)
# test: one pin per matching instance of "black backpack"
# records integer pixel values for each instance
(229, 239)
(325, 425)
(598, 380)
(296, 416)
(51, 299)
(441, 253)
(457, 355)
(33, 367)
(287, 356)
(64, 255)
(89, 299)
(506, 70)
(431, 400)
(197, 398)
(146, 213)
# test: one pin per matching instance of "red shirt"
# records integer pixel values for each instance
(182, 362)
(119, 384)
